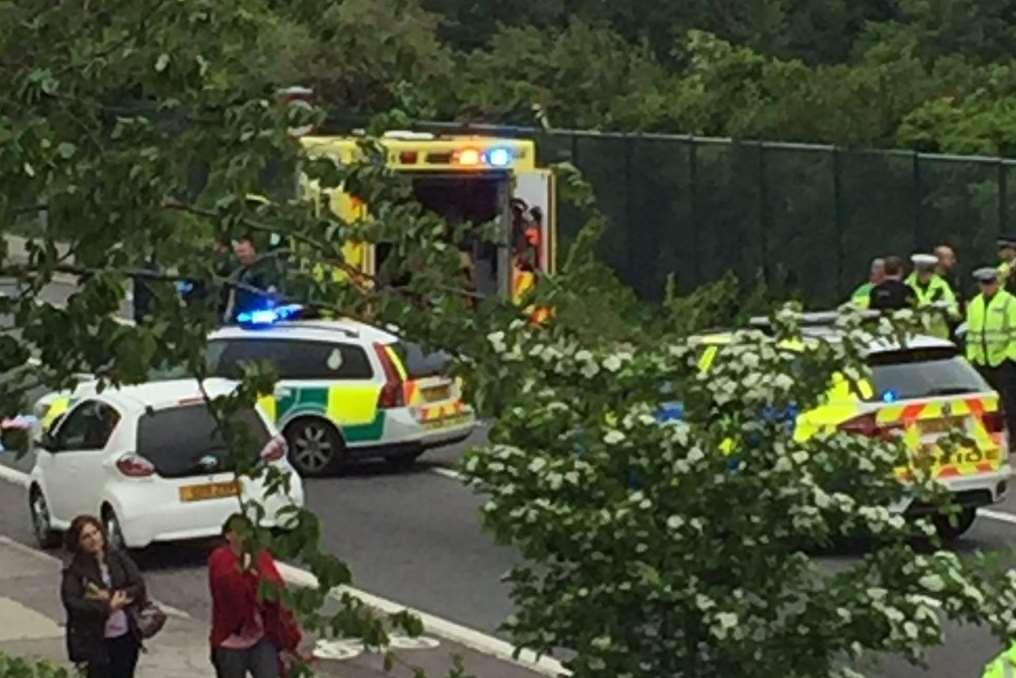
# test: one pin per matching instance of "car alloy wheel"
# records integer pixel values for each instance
(114, 535)
(42, 522)
(314, 447)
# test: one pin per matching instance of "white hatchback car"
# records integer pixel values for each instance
(151, 462)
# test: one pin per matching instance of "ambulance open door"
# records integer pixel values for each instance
(537, 188)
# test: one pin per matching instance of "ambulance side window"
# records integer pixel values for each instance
(295, 359)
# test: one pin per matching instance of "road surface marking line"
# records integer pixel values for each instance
(13, 476)
(997, 515)
(474, 640)
(447, 473)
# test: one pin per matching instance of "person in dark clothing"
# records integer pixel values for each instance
(892, 293)
(101, 590)
(255, 273)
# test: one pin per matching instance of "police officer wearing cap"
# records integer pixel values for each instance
(933, 292)
(991, 337)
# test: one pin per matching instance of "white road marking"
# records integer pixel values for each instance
(474, 640)
(447, 473)
(997, 515)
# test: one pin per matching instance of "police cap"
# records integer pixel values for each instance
(924, 260)
(986, 274)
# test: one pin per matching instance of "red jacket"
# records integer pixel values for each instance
(235, 597)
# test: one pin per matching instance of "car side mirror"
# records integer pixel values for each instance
(48, 442)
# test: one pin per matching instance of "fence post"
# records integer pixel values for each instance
(693, 196)
(917, 202)
(1003, 197)
(631, 256)
(763, 216)
(839, 218)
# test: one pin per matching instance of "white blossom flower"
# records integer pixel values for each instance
(932, 582)
(612, 363)
(704, 602)
(675, 522)
(613, 437)
(589, 370)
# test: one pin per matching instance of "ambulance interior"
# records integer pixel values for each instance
(476, 198)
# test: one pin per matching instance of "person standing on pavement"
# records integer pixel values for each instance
(100, 590)
(892, 294)
(991, 338)
(933, 292)
(250, 634)
(876, 274)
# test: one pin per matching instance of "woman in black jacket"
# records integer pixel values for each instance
(101, 590)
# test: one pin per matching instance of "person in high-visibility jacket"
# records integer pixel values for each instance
(933, 292)
(991, 338)
(862, 295)
(1002, 666)
(1007, 254)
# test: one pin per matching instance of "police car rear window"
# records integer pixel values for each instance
(293, 359)
(925, 373)
(186, 441)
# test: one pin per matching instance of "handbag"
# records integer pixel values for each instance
(149, 618)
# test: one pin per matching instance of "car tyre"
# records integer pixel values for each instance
(114, 533)
(952, 526)
(315, 447)
(42, 521)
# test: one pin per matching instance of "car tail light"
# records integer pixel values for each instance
(867, 425)
(274, 449)
(392, 392)
(135, 466)
(994, 421)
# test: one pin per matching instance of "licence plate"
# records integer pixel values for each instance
(946, 425)
(209, 491)
(435, 393)
(447, 422)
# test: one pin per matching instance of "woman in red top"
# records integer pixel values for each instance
(249, 633)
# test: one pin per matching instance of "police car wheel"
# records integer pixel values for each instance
(42, 526)
(315, 447)
(952, 526)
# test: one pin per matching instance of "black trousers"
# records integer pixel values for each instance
(1003, 380)
(123, 658)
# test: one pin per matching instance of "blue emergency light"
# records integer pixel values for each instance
(268, 316)
(890, 396)
(499, 157)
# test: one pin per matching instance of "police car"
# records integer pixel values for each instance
(921, 391)
(346, 390)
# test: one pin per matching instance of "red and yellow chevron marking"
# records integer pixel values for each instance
(437, 412)
(985, 456)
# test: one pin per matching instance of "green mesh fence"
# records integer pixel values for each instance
(806, 219)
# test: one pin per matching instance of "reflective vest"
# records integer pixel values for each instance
(937, 290)
(862, 296)
(991, 329)
(1002, 666)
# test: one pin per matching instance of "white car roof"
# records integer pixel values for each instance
(882, 344)
(158, 394)
(320, 330)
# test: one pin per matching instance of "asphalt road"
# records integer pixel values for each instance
(414, 537)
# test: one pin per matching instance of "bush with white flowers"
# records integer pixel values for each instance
(685, 548)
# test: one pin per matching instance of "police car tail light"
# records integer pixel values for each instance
(868, 425)
(994, 422)
(392, 392)
(135, 466)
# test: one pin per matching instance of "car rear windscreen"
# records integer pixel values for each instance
(418, 363)
(186, 441)
(925, 373)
